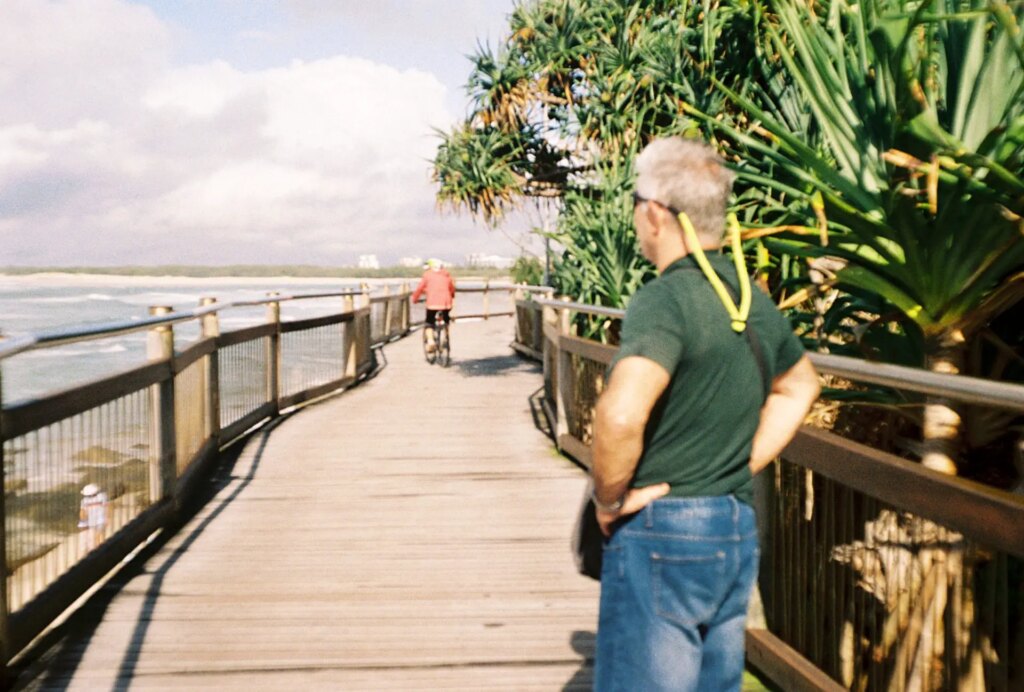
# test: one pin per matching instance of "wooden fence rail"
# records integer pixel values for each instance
(876, 572)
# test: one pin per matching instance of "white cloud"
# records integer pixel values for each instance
(110, 154)
(199, 91)
(65, 61)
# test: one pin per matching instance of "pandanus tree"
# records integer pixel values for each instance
(911, 162)
(562, 105)
(889, 154)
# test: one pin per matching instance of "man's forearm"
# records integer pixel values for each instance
(781, 417)
(620, 418)
(617, 447)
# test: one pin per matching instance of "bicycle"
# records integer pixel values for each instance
(441, 354)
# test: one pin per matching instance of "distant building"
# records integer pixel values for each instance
(368, 262)
(479, 259)
(410, 262)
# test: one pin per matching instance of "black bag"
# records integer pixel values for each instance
(587, 539)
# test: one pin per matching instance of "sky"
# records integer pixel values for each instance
(234, 131)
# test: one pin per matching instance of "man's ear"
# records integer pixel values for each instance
(658, 217)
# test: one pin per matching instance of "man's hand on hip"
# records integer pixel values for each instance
(636, 499)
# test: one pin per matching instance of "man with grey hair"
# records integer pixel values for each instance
(694, 407)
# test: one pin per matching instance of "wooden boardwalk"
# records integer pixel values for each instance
(409, 534)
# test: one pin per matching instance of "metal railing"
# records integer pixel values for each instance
(877, 573)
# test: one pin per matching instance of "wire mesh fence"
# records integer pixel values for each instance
(388, 317)
(313, 357)
(588, 379)
(69, 486)
(244, 378)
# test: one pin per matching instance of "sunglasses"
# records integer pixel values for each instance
(637, 199)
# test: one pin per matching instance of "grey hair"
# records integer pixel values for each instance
(690, 177)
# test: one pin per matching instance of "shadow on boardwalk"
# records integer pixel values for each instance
(491, 366)
(52, 663)
(411, 533)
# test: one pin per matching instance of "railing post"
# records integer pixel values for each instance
(764, 506)
(564, 392)
(517, 295)
(274, 352)
(538, 324)
(210, 326)
(349, 350)
(552, 367)
(365, 336)
(5, 630)
(550, 350)
(487, 299)
(387, 312)
(406, 314)
(163, 470)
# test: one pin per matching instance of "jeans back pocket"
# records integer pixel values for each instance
(688, 589)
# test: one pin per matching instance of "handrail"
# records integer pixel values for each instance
(972, 390)
(503, 286)
(582, 307)
(12, 346)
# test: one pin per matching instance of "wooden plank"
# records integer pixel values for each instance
(315, 392)
(576, 449)
(551, 332)
(192, 354)
(526, 350)
(482, 315)
(784, 664)
(206, 455)
(240, 336)
(592, 350)
(993, 517)
(24, 417)
(233, 430)
(314, 322)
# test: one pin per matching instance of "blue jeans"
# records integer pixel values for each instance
(675, 585)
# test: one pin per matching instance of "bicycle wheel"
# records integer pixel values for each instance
(444, 347)
(431, 356)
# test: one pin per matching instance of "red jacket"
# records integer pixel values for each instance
(439, 287)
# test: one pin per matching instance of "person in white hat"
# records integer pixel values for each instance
(93, 516)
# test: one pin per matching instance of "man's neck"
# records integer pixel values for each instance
(678, 253)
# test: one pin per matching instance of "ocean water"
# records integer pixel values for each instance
(33, 304)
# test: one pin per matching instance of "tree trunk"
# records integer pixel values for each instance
(942, 424)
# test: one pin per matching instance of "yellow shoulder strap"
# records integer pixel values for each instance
(738, 315)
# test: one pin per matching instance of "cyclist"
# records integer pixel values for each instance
(440, 289)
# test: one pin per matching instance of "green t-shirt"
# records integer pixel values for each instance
(699, 434)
